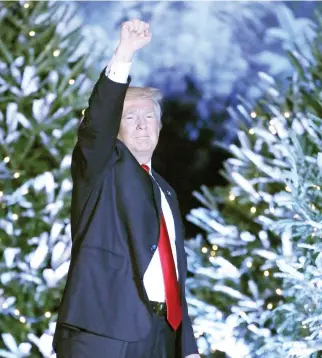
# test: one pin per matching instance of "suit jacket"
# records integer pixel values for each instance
(115, 219)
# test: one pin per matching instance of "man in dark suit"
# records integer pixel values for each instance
(124, 296)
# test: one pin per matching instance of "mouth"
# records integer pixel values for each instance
(142, 137)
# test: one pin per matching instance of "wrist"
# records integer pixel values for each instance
(123, 54)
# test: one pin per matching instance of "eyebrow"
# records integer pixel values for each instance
(130, 111)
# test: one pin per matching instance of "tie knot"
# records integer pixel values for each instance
(145, 167)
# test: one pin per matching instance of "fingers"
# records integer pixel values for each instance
(135, 25)
(146, 30)
(129, 25)
(141, 28)
(138, 25)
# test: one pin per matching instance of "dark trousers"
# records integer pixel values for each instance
(160, 343)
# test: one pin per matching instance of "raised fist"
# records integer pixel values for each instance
(135, 34)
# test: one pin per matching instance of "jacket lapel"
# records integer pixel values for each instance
(172, 201)
(157, 197)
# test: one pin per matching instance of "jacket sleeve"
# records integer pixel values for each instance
(98, 130)
(189, 342)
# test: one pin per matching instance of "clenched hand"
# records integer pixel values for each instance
(134, 36)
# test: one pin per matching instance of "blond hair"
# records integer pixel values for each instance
(151, 93)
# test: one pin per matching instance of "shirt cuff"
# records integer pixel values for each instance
(118, 71)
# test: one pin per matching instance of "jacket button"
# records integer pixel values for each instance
(152, 247)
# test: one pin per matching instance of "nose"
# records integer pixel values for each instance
(141, 123)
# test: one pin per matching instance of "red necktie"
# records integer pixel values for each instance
(172, 294)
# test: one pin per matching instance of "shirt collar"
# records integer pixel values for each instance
(149, 165)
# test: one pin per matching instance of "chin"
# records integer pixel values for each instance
(143, 148)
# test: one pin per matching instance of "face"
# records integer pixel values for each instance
(140, 127)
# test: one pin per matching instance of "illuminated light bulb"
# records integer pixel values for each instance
(204, 250)
(232, 197)
(15, 216)
(213, 253)
(270, 306)
(266, 273)
(56, 53)
(215, 247)
(6, 159)
(22, 319)
(17, 312)
(318, 187)
(287, 115)
(278, 291)
(287, 188)
(5, 305)
(47, 314)
(253, 209)
(32, 33)
(304, 326)
(71, 81)
(26, 6)
(249, 264)
(253, 114)
(83, 111)
(251, 131)
(16, 175)
(313, 207)
(1, 194)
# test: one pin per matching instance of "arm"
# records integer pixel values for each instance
(118, 71)
(99, 128)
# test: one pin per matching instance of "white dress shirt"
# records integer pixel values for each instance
(153, 277)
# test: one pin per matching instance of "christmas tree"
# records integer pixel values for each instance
(45, 82)
(257, 282)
